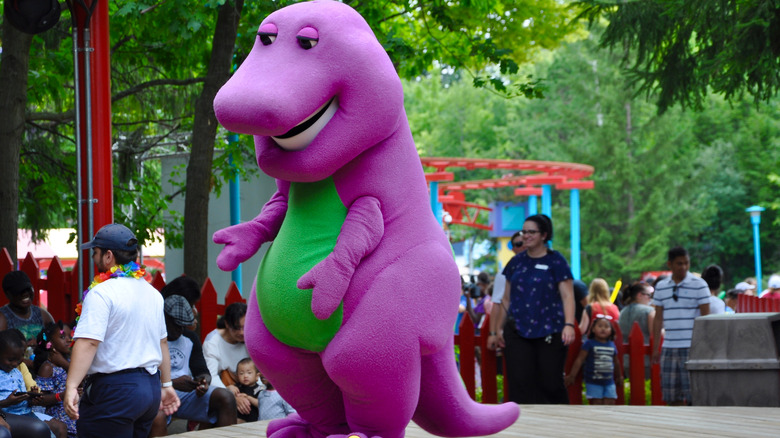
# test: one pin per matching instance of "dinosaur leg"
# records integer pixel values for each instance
(301, 380)
(375, 357)
(378, 371)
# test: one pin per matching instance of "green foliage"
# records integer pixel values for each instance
(683, 48)
(681, 178)
(160, 55)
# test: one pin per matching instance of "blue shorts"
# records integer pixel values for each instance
(596, 390)
(195, 408)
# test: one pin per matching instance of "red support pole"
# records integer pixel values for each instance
(94, 116)
(103, 181)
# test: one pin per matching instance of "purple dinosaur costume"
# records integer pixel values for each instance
(352, 312)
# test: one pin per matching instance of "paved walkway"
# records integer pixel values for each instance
(598, 421)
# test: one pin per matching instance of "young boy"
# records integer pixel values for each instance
(267, 404)
(199, 400)
(249, 385)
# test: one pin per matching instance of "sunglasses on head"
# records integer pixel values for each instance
(602, 316)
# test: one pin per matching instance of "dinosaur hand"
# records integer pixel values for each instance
(328, 280)
(241, 242)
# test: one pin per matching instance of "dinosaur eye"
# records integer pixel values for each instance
(267, 33)
(308, 38)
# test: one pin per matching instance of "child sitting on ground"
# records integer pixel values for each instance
(200, 401)
(602, 363)
(50, 366)
(13, 396)
(266, 403)
(249, 387)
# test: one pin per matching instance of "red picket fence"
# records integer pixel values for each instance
(751, 304)
(635, 349)
(63, 294)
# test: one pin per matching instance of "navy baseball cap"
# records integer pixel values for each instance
(113, 236)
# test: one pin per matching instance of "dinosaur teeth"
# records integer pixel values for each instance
(299, 137)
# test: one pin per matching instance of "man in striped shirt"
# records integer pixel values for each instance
(676, 301)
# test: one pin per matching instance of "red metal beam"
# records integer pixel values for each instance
(570, 170)
(545, 179)
(439, 176)
(528, 191)
(568, 185)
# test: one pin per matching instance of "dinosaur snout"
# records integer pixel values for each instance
(246, 110)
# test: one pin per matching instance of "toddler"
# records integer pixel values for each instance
(50, 366)
(249, 387)
(602, 363)
(267, 404)
(13, 396)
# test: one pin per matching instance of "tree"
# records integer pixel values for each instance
(680, 49)
(13, 97)
(203, 138)
(683, 177)
(164, 78)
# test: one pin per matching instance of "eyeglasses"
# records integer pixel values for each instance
(531, 232)
(517, 244)
(602, 316)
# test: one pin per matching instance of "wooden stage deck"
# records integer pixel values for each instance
(598, 421)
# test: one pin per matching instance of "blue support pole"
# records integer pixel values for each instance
(755, 220)
(547, 205)
(533, 207)
(757, 251)
(235, 208)
(436, 206)
(574, 206)
(547, 200)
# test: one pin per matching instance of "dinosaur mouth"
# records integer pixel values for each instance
(303, 134)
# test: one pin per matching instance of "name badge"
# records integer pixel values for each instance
(542, 267)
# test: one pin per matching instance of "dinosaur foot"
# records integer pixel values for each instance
(353, 435)
(293, 426)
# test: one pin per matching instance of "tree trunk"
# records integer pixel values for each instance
(632, 249)
(196, 204)
(13, 101)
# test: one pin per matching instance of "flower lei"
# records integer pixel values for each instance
(132, 270)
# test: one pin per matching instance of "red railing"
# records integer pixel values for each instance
(62, 293)
(752, 304)
(634, 348)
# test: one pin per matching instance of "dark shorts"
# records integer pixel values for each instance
(119, 405)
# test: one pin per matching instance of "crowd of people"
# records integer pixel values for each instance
(130, 363)
(534, 305)
(73, 379)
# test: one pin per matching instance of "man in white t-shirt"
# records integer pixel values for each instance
(677, 300)
(120, 346)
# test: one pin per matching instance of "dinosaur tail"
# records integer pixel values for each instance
(445, 408)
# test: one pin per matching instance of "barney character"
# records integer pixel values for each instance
(352, 311)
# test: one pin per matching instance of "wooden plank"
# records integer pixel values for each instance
(567, 421)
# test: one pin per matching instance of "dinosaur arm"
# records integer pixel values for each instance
(243, 240)
(360, 234)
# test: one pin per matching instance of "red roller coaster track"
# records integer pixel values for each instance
(564, 176)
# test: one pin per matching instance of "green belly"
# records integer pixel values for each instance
(308, 234)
